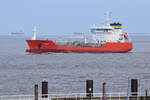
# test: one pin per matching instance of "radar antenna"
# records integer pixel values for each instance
(107, 18)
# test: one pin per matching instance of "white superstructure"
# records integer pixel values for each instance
(34, 33)
(109, 33)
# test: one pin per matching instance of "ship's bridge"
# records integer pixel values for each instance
(108, 33)
(102, 34)
(104, 29)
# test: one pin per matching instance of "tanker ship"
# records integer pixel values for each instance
(108, 38)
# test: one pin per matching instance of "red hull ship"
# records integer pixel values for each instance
(107, 38)
(48, 46)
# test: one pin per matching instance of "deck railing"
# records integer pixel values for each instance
(78, 96)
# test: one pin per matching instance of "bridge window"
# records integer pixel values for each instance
(101, 30)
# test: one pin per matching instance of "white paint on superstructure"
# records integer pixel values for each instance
(108, 33)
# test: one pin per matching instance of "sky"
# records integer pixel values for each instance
(69, 16)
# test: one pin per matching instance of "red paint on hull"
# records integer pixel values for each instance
(48, 46)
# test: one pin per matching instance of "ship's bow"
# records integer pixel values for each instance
(39, 46)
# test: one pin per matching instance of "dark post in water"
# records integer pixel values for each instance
(44, 89)
(35, 92)
(146, 95)
(104, 91)
(89, 88)
(134, 87)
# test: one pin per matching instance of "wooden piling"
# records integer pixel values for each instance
(146, 94)
(89, 88)
(44, 89)
(104, 91)
(134, 87)
(35, 92)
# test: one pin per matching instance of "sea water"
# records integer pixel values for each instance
(67, 73)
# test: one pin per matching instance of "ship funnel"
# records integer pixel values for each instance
(34, 31)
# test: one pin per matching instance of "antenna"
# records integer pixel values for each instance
(34, 31)
(107, 18)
